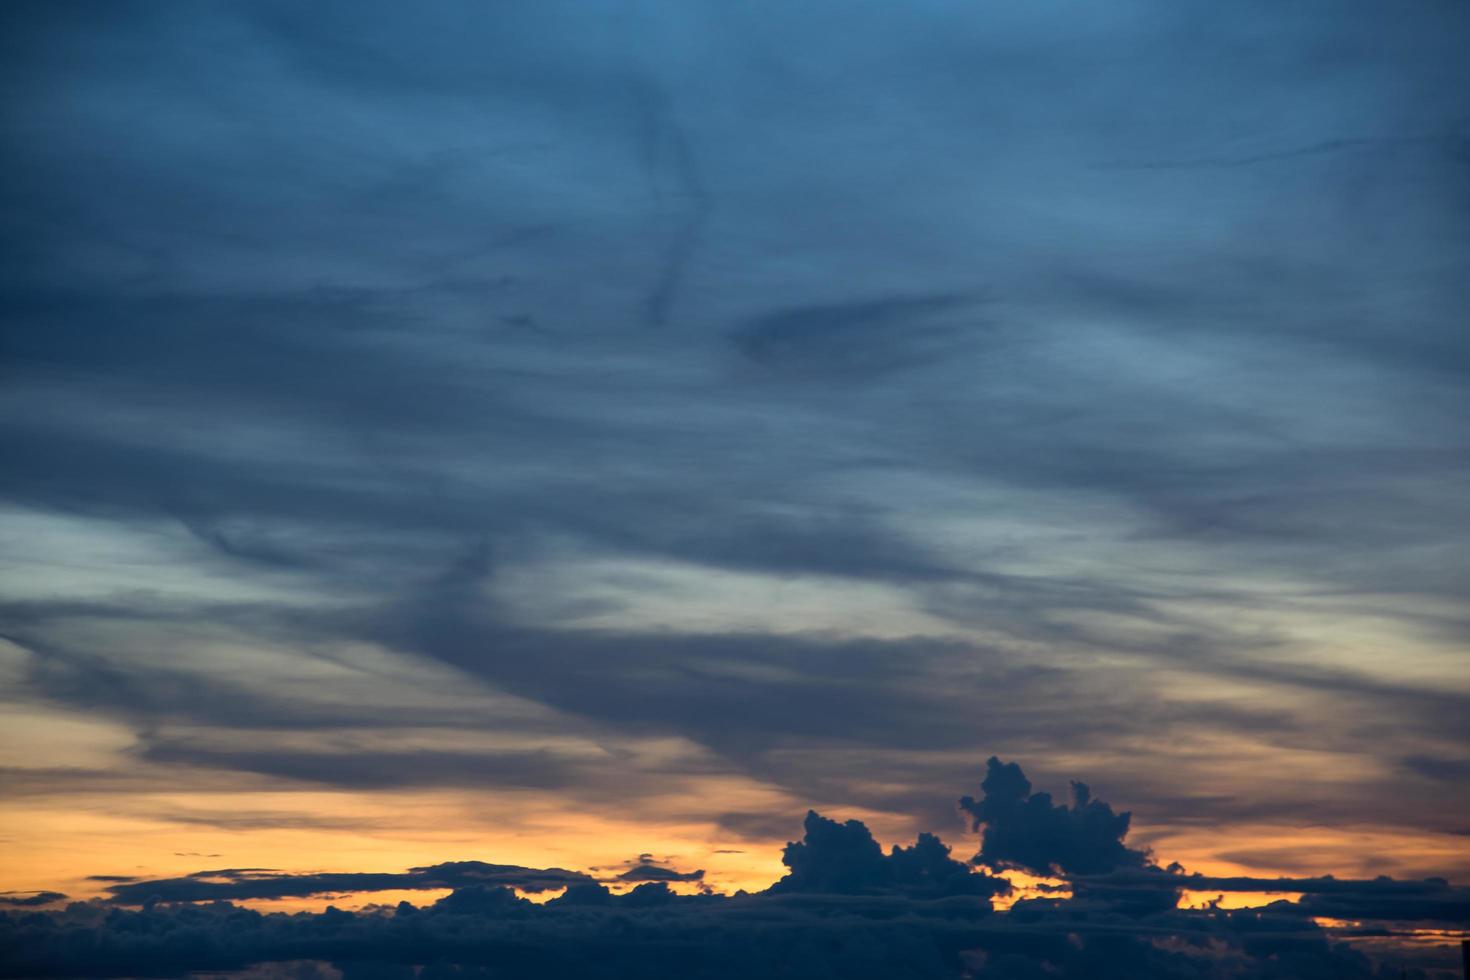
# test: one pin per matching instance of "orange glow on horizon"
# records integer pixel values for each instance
(57, 842)
(1205, 898)
(1026, 885)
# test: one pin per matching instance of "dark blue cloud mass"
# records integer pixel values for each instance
(844, 909)
(1026, 830)
(658, 410)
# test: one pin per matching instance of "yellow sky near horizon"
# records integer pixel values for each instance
(82, 797)
(56, 845)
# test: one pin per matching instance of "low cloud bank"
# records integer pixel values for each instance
(228, 884)
(845, 908)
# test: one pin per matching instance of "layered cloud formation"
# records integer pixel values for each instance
(424, 431)
(844, 909)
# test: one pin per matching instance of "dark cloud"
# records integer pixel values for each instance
(654, 933)
(843, 859)
(845, 908)
(243, 883)
(1026, 830)
(833, 858)
(744, 695)
(1062, 380)
(1383, 898)
(648, 868)
(1289, 153)
(368, 770)
(29, 899)
(673, 171)
(854, 338)
(1446, 770)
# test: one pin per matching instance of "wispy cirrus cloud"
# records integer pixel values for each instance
(587, 403)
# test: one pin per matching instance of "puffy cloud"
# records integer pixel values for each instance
(833, 858)
(654, 933)
(845, 909)
(843, 859)
(481, 900)
(981, 309)
(412, 343)
(1026, 830)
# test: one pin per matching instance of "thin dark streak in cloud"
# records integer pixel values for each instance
(853, 339)
(668, 157)
(243, 883)
(646, 868)
(382, 291)
(21, 900)
(363, 769)
(1311, 149)
(690, 685)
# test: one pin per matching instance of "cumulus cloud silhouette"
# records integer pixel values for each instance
(1015, 374)
(843, 859)
(845, 908)
(419, 342)
(486, 931)
(1026, 830)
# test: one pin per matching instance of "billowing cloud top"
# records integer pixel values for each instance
(843, 909)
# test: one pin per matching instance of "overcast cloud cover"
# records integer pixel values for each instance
(696, 412)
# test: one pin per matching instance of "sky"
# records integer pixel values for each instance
(590, 435)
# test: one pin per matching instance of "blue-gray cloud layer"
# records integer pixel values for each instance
(1104, 341)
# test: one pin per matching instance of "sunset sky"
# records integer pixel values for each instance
(553, 433)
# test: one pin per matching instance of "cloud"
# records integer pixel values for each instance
(854, 339)
(30, 899)
(647, 868)
(1026, 830)
(655, 934)
(845, 908)
(843, 859)
(229, 884)
(1147, 466)
(1430, 901)
(368, 770)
